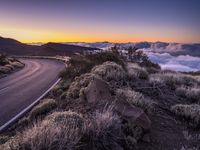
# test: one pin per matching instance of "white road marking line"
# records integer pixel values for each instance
(15, 118)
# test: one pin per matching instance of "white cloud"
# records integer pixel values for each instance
(174, 56)
(178, 63)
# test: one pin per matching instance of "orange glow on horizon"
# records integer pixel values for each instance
(32, 35)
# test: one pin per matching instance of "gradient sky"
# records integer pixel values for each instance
(100, 20)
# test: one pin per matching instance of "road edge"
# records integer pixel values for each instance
(19, 115)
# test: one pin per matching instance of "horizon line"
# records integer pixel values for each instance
(102, 41)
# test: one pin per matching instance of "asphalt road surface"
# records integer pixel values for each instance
(20, 89)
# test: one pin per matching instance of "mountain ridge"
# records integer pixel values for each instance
(11, 46)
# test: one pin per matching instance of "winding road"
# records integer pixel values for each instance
(22, 88)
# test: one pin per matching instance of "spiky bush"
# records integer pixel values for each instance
(133, 134)
(56, 91)
(135, 98)
(3, 139)
(191, 93)
(102, 57)
(10, 66)
(172, 79)
(3, 60)
(189, 148)
(77, 65)
(43, 108)
(135, 71)
(45, 135)
(17, 64)
(68, 119)
(152, 70)
(79, 83)
(81, 64)
(109, 71)
(168, 71)
(5, 70)
(189, 112)
(103, 129)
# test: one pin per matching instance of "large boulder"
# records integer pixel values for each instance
(89, 88)
(97, 90)
(133, 114)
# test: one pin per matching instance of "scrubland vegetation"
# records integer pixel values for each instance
(191, 113)
(105, 102)
(8, 65)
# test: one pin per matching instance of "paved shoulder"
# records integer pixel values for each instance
(20, 89)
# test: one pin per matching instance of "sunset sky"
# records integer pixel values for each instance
(100, 20)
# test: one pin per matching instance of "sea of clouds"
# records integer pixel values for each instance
(174, 56)
(185, 63)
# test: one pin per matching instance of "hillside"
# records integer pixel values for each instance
(13, 47)
(104, 102)
(62, 49)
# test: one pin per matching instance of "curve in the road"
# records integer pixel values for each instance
(20, 89)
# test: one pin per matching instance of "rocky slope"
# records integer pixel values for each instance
(111, 104)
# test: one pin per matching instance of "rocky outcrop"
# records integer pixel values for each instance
(133, 114)
(93, 88)
(97, 90)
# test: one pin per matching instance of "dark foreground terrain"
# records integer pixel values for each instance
(104, 102)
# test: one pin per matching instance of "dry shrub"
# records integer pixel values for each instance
(56, 91)
(103, 129)
(7, 64)
(81, 64)
(152, 70)
(181, 91)
(43, 108)
(64, 84)
(79, 83)
(191, 93)
(168, 71)
(3, 60)
(17, 64)
(5, 70)
(77, 65)
(189, 112)
(133, 134)
(60, 131)
(10, 66)
(68, 118)
(109, 71)
(102, 57)
(3, 139)
(135, 71)
(189, 148)
(172, 79)
(135, 98)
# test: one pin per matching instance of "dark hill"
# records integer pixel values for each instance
(62, 49)
(14, 47)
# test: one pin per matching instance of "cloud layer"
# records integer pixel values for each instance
(174, 56)
(179, 63)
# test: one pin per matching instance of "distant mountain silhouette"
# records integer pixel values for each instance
(63, 49)
(13, 47)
